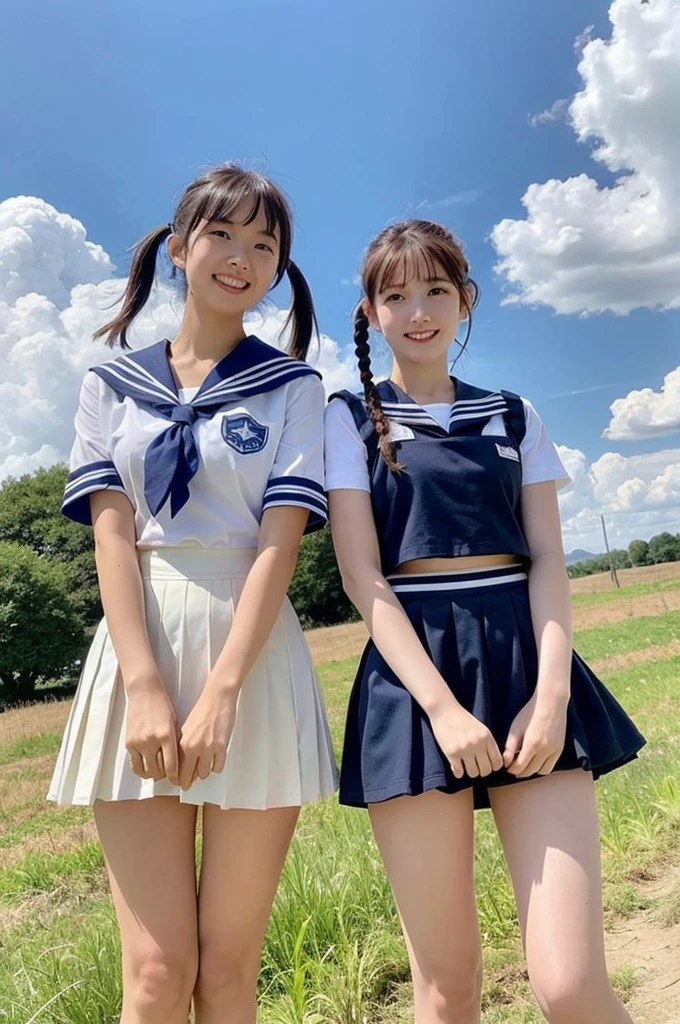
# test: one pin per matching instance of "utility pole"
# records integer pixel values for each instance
(612, 567)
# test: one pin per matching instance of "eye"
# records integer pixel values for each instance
(263, 245)
(220, 232)
(393, 296)
(438, 291)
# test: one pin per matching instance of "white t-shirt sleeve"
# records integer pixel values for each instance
(346, 456)
(296, 476)
(90, 464)
(540, 461)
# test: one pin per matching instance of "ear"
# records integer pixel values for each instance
(370, 315)
(176, 251)
(464, 315)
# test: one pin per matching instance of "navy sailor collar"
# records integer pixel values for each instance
(472, 405)
(251, 367)
(172, 459)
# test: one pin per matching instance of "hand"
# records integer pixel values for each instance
(466, 742)
(151, 737)
(205, 737)
(536, 737)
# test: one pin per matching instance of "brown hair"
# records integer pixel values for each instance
(214, 197)
(389, 259)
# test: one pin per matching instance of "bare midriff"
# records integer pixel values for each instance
(462, 564)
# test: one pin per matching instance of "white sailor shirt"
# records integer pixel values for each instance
(200, 471)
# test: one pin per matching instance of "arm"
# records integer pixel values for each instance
(465, 741)
(151, 737)
(536, 737)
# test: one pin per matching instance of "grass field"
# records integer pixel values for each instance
(334, 952)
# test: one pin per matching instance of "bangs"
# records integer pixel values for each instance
(414, 262)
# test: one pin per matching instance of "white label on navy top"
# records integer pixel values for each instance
(506, 452)
(398, 432)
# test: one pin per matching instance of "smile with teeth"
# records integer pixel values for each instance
(231, 282)
(421, 335)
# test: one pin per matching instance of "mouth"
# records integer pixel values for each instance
(233, 285)
(421, 337)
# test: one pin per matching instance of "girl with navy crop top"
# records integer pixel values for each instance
(199, 464)
(445, 521)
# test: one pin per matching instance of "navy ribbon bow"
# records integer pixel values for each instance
(172, 458)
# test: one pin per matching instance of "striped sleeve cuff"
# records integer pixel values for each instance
(298, 490)
(95, 476)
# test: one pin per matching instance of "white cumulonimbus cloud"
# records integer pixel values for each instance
(584, 248)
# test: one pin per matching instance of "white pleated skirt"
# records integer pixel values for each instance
(280, 753)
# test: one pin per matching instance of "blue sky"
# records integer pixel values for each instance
(364, 112)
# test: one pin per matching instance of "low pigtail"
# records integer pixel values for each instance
(302, 317)
(375, 410)
(140, 280)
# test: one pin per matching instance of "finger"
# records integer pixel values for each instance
(137, 763)
(155, 771)
(518, 766)
(531, 765)
(483, 764)
(204, 766)
(171, 760)
(513, 745)
(457, 767)
(471, 767)
(219, 762)
(187, 769)
(494, 755)
(549, 765)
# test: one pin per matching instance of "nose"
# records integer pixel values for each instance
(238, 259)
(420, 315)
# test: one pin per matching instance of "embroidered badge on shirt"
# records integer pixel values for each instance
(506, 452)
(244, 434)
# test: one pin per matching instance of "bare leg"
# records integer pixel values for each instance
(550, 833)
(243, 856)
(149, 852)
(427, 844)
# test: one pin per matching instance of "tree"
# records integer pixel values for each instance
(638, 551)
(41, 631)
(316, 590)
(30, 514)
(664, 547)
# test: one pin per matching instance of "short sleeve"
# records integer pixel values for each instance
(540, 461)
(90, 464)
(346, 455)
(297, 474)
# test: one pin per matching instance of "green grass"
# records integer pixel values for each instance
(334, 953)
(629, 635)
(624, 593)
(30, 746)
(46, 823)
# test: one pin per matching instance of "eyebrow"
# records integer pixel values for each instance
(428, 280)
(225, 220)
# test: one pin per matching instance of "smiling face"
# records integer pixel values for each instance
(230, 265)
(418, 314)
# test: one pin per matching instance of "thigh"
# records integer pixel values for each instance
(427, 845)
(550, 833)
(243, 856)
(149, 849)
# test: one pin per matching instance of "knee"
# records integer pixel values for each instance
(573, 998)
(451, 989)
(163, 981)
(226, 976)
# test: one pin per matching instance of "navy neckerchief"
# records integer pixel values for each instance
(472, 408)
(172, 459)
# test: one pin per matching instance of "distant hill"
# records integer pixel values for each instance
(579, 555)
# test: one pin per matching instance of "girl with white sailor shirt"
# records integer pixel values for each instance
(445, 522)
(199, 464)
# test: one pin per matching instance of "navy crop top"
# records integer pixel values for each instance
(459, 491)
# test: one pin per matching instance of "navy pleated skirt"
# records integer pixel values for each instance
(477, 629)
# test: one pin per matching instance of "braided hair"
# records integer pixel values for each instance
(389, 257)
(380, 421)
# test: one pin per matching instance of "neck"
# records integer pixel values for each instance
(205, 336)
(425, 382)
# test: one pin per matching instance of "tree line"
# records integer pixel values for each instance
(663, 547)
